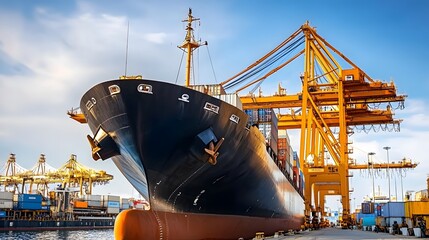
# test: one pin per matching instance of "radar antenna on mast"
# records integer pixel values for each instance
(189, 45)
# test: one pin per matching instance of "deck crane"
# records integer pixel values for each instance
(332, 98)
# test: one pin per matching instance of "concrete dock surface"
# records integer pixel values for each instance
(338, 233)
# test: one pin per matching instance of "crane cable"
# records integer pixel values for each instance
(265, 63)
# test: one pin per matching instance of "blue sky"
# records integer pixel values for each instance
(51, 52)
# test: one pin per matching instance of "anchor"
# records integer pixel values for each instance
(95, 149)
(213, 151)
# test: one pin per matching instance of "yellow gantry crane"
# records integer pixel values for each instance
(331, 98)
(71, 174)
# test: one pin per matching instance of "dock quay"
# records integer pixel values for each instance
(338, 233)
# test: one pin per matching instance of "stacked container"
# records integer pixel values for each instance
(125, 203)
(301, 182)
(231, 98)
(6, 200)
(267, 122)
(283, 150)
(80, 204)
(366, 219)
(210, 89)
(367, 208)
(295, 159)
(93, 200)
(393, 211)
(112, 203)
(295, 176)
(27, 202)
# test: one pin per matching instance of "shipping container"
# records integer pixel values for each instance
(36, 198)
(378, 208)
(210, 89)
(288, 169)
(6, 204)
(111, 198)
(27, 205)
(295, 176)
(6, 196)
(283, 134)
(367, 208)
(80, 204)
(416, 208)
(393, 209)
(93, 197)
(283, 144)
(113, 204)
(291, 171)
(253, 116)
(366, 219)
(266, 120)
(93, 203)
(125, 206)
(231, 98)
(112, 210)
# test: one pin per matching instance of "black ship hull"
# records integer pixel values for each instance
(156, 133)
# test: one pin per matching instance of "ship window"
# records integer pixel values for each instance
(211, 107)
(114, 89)
(234, 118)
(145, 88)
(349, 77)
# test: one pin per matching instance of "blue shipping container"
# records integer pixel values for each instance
(113, 204)
(368, 221)
(393, 209)
(27, 205)
(30, 198)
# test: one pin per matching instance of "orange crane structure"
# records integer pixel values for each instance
(333, 100)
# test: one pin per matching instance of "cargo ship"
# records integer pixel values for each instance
(194, 154)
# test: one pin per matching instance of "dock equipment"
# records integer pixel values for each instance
(332, 103)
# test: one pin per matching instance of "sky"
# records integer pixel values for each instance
(52, 52)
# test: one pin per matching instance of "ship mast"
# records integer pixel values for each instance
(189, 45)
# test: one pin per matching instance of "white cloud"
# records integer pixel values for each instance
(156, 37)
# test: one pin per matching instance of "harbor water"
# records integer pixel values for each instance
(102, 234)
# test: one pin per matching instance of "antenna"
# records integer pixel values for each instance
(126, 49)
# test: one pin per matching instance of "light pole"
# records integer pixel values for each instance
(388, 163)
(372, 166)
